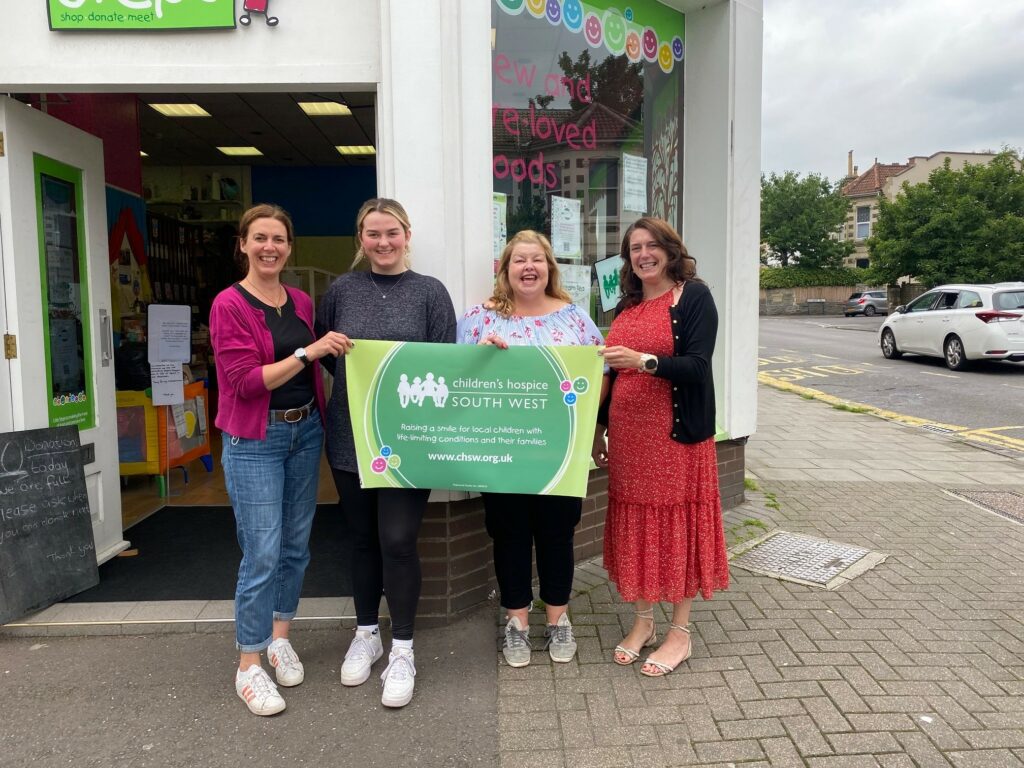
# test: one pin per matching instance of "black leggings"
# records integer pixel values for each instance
(385, 523)
(517, 523)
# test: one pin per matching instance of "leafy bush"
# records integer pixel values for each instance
(795, 277)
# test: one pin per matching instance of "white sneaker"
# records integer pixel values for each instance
(287, 668)
(259, 693)
(399, 678)
(365, 650)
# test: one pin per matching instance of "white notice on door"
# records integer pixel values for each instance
(168, 384)
(170, 333)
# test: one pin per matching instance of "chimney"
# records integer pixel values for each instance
(849, 163)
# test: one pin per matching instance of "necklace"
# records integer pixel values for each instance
(277, 306)
(393, 286)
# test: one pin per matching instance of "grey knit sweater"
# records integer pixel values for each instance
(417, 308)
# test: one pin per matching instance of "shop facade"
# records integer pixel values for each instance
(486, 115)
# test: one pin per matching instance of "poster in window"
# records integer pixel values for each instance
(566, 215)
(634, 183)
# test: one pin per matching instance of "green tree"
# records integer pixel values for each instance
(800, 219)
(961, 226)
(614, 82)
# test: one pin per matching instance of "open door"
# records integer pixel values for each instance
(55, 298)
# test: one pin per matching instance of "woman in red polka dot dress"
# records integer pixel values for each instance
(663, 537)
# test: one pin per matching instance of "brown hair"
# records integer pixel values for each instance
(681, 265)
(260, 211)
(380, 205)
(503, 300)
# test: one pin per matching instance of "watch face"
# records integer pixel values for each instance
(650, 363)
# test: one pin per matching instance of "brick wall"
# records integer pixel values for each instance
(458, 573)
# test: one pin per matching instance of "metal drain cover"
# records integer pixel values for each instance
(1008, 504)
(804, 559)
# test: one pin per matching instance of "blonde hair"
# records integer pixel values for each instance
(260, 211)
(380, 205)
(503, 301)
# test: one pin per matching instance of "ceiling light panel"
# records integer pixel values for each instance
(324, 108)
(356, 149)
(240, 151)
(180, 110)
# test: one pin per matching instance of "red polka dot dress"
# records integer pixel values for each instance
(663, 536)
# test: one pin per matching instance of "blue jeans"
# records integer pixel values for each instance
(273, 488)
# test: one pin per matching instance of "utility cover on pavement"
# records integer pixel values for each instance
(1008, 504)
(804, 559)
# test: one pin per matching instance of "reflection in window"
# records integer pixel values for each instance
(600, 88)
(863, 222)
(63, 289)
(922, 304)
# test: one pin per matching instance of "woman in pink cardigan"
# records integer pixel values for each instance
(270, 409)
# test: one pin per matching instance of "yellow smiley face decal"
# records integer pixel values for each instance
(633, 46)
(536, 7)
(665, 57)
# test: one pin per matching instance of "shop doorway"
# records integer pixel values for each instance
(180, 169)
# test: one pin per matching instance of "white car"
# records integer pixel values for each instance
(959, 323)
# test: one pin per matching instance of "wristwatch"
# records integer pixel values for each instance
(648, 363)
(300, 354)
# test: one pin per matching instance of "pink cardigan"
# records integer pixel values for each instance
(242, 345)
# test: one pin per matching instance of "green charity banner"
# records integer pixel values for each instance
(473, 418)
(141, 14)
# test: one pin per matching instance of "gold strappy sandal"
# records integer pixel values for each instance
(629, 653)
(660, 668)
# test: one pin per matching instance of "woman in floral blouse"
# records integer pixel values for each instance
(529, 307)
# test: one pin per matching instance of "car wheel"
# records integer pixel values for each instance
(869, 311)
(953, 351)
(889, 349)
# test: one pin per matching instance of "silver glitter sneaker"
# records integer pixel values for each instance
(516, 648)
(561, 643)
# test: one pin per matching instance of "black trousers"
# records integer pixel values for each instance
(520, 523)
(385, 523)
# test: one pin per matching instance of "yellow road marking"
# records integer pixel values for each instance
(813, 371)
(987, 435)
(827, 357)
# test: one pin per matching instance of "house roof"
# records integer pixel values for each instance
(610, 127)
(870, 182)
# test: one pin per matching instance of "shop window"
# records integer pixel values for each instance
(602, 88)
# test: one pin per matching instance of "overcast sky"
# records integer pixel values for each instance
(889, 79)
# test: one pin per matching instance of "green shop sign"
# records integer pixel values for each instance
(141, 14)
(473, 418)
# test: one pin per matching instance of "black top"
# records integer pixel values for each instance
(289, 333)
(694, 329)
(417, 308)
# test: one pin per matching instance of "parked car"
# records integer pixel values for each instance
(959, 323)
(866, 303)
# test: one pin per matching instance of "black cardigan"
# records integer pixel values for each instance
(695, 327)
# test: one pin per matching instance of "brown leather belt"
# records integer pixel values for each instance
(291, 415)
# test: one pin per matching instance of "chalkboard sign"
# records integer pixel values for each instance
(47, 551)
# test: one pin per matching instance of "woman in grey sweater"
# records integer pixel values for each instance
(388, 302)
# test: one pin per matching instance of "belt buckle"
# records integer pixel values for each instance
(297, 412)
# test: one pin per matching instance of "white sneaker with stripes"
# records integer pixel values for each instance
(287, 668)
(258, 691)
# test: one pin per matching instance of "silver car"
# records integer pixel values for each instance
(866, 303)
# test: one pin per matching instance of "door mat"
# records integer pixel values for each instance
(191, 553)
